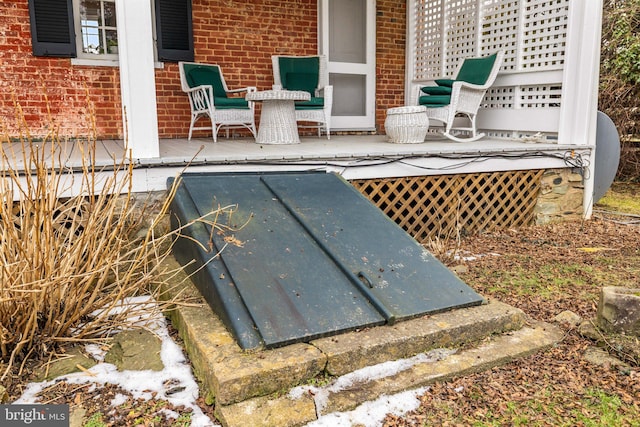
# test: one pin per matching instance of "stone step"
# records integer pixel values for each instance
(295, 409)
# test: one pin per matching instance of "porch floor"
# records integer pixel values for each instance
(352, 156)
(339, 147)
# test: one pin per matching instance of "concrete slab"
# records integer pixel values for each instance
(266, 412)
(355, 350)
(497, 350)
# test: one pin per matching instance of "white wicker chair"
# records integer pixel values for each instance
(318, 109)
(465, 97)
(207, 91)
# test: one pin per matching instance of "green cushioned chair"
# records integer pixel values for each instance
(309, 74)
(450, 98)
(209, 97)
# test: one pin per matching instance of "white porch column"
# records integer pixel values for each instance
(137, 78)
(578, 112)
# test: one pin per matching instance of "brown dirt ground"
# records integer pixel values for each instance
(557, 267)
(542, 270)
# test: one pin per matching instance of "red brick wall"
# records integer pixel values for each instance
(51, 86)
(239, 36)
(391, 25)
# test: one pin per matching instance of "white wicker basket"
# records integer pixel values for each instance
(407, 125)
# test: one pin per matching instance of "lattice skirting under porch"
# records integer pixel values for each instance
(439, 206)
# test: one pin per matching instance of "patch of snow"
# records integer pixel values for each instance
(96, 351)
(119, 399)
(170, 413)
(462, 257)
(176, 384)
(142, 384)
(371, 414)
(370, 373)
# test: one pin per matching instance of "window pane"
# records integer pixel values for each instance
(109, 14)
(349, 94)
(90, 10)
(112, 41)
(347, 31)
(91, 37)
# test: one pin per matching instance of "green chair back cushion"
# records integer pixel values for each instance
(476, 70)
(198, 75)
(300, 73)
(307, 82)
(436, 90)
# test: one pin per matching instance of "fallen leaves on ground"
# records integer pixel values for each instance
(555, 387)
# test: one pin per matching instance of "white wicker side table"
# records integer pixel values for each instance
(407, 125)
(278, 118)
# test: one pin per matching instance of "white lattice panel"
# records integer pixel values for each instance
(532, 34)
(544, 34)
(500, 27)
(525, 136)
(461, 32)
(540, 96)
(499, 97)
(429, 17)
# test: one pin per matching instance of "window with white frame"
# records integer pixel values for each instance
(96, 29)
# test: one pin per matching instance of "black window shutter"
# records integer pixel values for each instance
(52, 32)
(174, 30)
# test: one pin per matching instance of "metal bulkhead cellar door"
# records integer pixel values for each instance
(315, 258)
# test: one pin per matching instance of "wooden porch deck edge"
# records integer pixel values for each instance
(338, 148)
(352, 156)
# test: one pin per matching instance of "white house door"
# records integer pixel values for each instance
(347, 38)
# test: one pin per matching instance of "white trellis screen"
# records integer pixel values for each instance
(527, 95)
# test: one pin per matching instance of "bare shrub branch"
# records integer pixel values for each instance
(74, 246)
